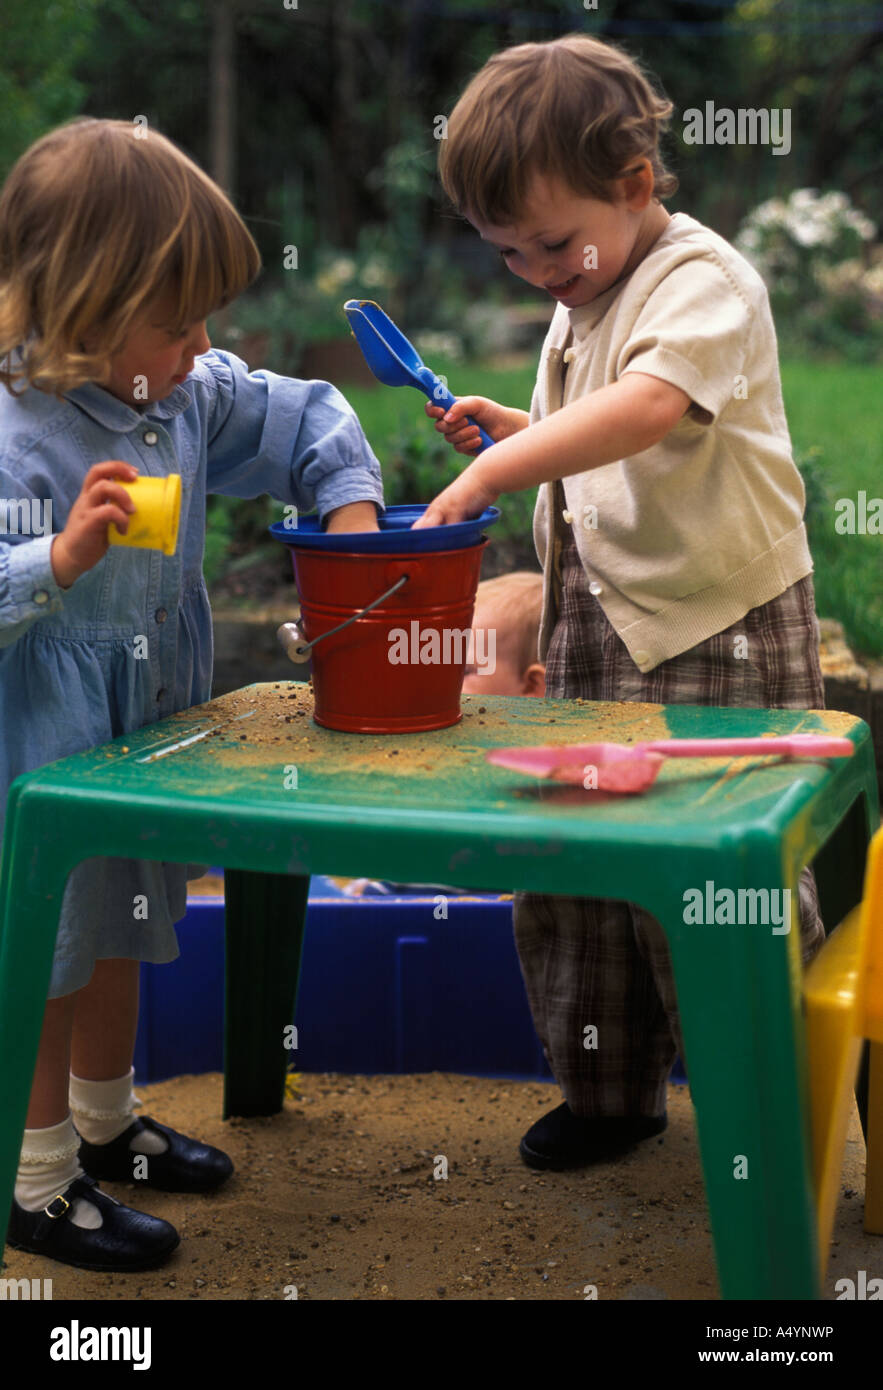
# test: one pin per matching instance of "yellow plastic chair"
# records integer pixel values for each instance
(843, 996)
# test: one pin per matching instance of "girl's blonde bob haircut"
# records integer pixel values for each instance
(573, 107)
(98, 219)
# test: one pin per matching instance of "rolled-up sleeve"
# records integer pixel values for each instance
(299, 441)
(28, 590)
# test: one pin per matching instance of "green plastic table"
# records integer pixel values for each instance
(274, 798)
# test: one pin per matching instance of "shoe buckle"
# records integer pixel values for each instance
(63, 1210)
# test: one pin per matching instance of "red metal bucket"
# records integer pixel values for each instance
(398, 668)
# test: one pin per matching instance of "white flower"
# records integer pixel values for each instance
(810, 233)
(872, 280)
(769, 214)
(335, 275)
(431, 344)
(861, 224)
(803, 198)
(376, 275)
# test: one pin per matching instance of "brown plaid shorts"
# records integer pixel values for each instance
(605, 962)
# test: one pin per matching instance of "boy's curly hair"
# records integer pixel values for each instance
(97, 220)
(573, 107)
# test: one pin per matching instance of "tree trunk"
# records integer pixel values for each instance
(223, 95)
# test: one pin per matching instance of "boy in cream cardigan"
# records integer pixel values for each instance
(669, 521)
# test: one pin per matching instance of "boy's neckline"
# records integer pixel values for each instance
(585, 316)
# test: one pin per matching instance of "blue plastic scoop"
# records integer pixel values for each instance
(392, 358)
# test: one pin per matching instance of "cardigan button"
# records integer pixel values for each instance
(595, 588)
(569, 354)
(567, 516)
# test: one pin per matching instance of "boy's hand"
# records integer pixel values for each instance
(467, 496)
(499, 421)
(355, 516)
(84, 539)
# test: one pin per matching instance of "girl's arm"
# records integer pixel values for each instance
(34, 572)
(355, 516)
(612, 423)
(299, 441)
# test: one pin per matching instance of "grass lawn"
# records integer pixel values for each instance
(833, 414)
(834, 423)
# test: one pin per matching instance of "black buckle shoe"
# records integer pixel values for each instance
(185, 1166)
(562, 1140)
(126, 1240)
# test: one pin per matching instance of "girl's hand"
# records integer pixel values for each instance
(499, 421)
(84, 539)
(467, 496)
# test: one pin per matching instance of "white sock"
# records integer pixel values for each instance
(103, 1109)
(47, 1166)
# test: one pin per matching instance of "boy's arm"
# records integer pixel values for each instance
(499, 421)
(612, 423)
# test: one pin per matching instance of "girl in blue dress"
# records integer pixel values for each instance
(114, 249)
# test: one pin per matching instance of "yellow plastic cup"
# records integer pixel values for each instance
(154, 523)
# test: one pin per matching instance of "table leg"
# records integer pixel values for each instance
(32, 883)
(739, 1003)
(264, 928)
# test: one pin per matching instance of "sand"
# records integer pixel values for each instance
(336, 1197)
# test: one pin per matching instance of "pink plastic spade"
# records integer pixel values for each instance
(618, 767)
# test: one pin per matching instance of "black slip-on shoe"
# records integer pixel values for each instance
(563, 1140)
(185, 1166)
(126, 1239)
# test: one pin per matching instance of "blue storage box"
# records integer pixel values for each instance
(386, 986)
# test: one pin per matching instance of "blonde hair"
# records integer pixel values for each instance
(97, 220)
(573, 107)
(518, 600)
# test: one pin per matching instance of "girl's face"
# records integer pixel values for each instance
(576, 247)
(154, 360)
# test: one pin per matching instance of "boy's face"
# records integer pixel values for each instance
(153, 352)
(576, 247)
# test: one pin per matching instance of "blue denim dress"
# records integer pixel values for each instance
(75, 670)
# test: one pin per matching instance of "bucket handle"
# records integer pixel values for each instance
(292, 638)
